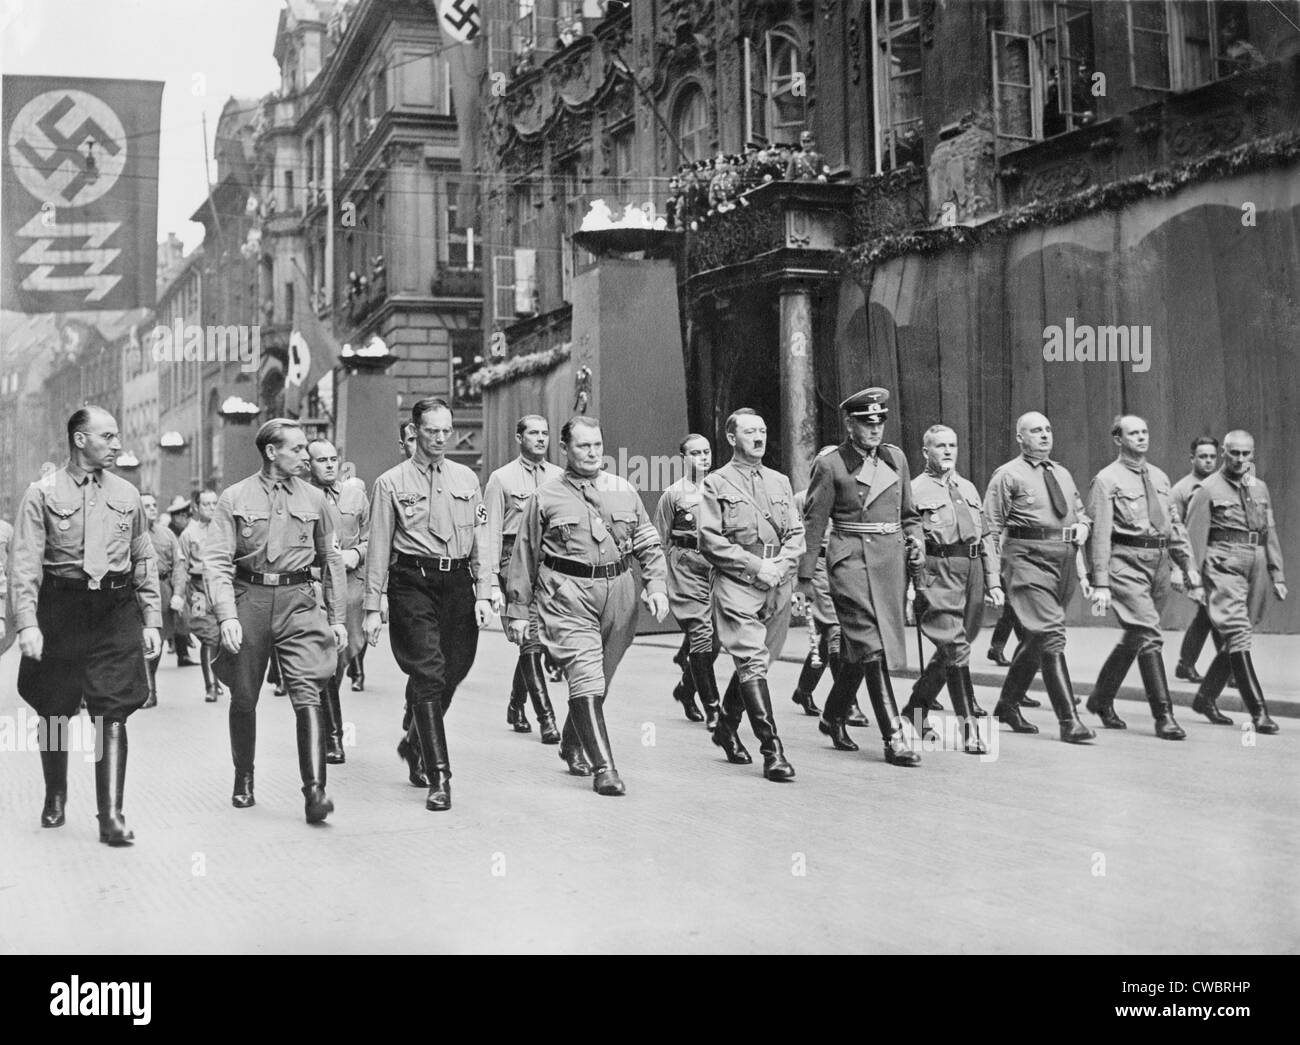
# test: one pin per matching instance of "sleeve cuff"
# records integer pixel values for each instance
(516, 611)
(153, 619)
(24, 620)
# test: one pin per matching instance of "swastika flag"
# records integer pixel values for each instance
(79, 199)
(459, 19)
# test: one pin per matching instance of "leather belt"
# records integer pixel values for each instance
(109, 582)
(1064, 534)
(691, 542)
(196, 578)
(1233, 536)
(861, 527)
(436, 565)
(763, 551)
(273, 580)
(959, 550)
(1139, 542)
(821, 552)
(601, 571)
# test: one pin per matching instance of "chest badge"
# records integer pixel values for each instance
(247, 531)
(63, 524)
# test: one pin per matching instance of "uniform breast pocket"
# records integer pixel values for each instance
(738, 520)
(782, 512)
(463, 509)
(413, 511)
(302, 528)
(936, 515)
(63, 524)
(624, 528)
(120, 523)
(250, 529)
(563, 534)
(349, 526)
(1130, 508)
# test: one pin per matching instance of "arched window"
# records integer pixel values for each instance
(691, 123)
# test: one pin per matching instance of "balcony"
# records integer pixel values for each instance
(457, 283)
(1184, 127)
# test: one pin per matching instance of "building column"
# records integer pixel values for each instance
(798, 384)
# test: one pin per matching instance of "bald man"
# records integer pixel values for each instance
(1135, 539)
(1235, 545)
(1033, 504)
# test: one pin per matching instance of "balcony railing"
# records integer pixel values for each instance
(457, 283)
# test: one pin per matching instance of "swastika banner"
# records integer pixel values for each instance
(78, 193)
(459, 20)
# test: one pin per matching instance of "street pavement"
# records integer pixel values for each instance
(1129, 845)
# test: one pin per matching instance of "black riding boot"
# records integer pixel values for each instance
(151, 665)
(1102, 700)
(706, 685)
(54, 767)
(1151, 664)
(243, 746)
(898, 750)
(408, 750)
(847, 680)
(437, 763)
(854, 716)
(211, 686)
(1243, 670)
(1216, 676)
(333, 723)
(725, 736)
(758, 702)
(357, 671)
(1056, 677)
(1024, 666)
(684, 691)
(110, 780)
(535, 683)
(571, 749)
(588, 718)
(311, 762)
(922, 699)
(515, 715)
(963, 693)
(809, 676)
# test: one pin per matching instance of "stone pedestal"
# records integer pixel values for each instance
(366, 419)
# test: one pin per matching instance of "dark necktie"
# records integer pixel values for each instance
(1246, 503)
(276, 526)
(758, 490)
(95, 531)
(1055, 493)
(965, 528)
(1155, 514)
(592, 496)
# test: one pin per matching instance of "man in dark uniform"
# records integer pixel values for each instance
(864, 491)
(1235, 544)
(428, 519)
(573, 557)
(677, 518)
(351, 509)
(1033, 503)
(753, 538)
(959, 558)
(178, 518)
(267, 533)
(85, 594)
(506, 496)
(1135, 536)
(188, 595)
(164, 550)
(1205, 459)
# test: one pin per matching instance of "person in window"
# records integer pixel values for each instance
(1238, 52)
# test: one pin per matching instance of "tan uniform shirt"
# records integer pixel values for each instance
(560, 521)
(164, 548)
(743, 506)
(1221, 503)
(351, 517)
(189, 555)
(1017, 496)
(1117, 502)
(50, 536)
(506, 496)
(433, 511)
(253, 514)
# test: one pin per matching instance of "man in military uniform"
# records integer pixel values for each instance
(506, 496)
(428, 528)
(959, 578)
(178, 519)
(266, 534)
(85, 595)
(864, 491)
(1034, 505)
(826, 626)
(1135, 535)
(572, 557)
(164, 550)
(753, 538)
(188, 594)
(351, 508)
(1235, 544)
(1205, 459)
(677, 518)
